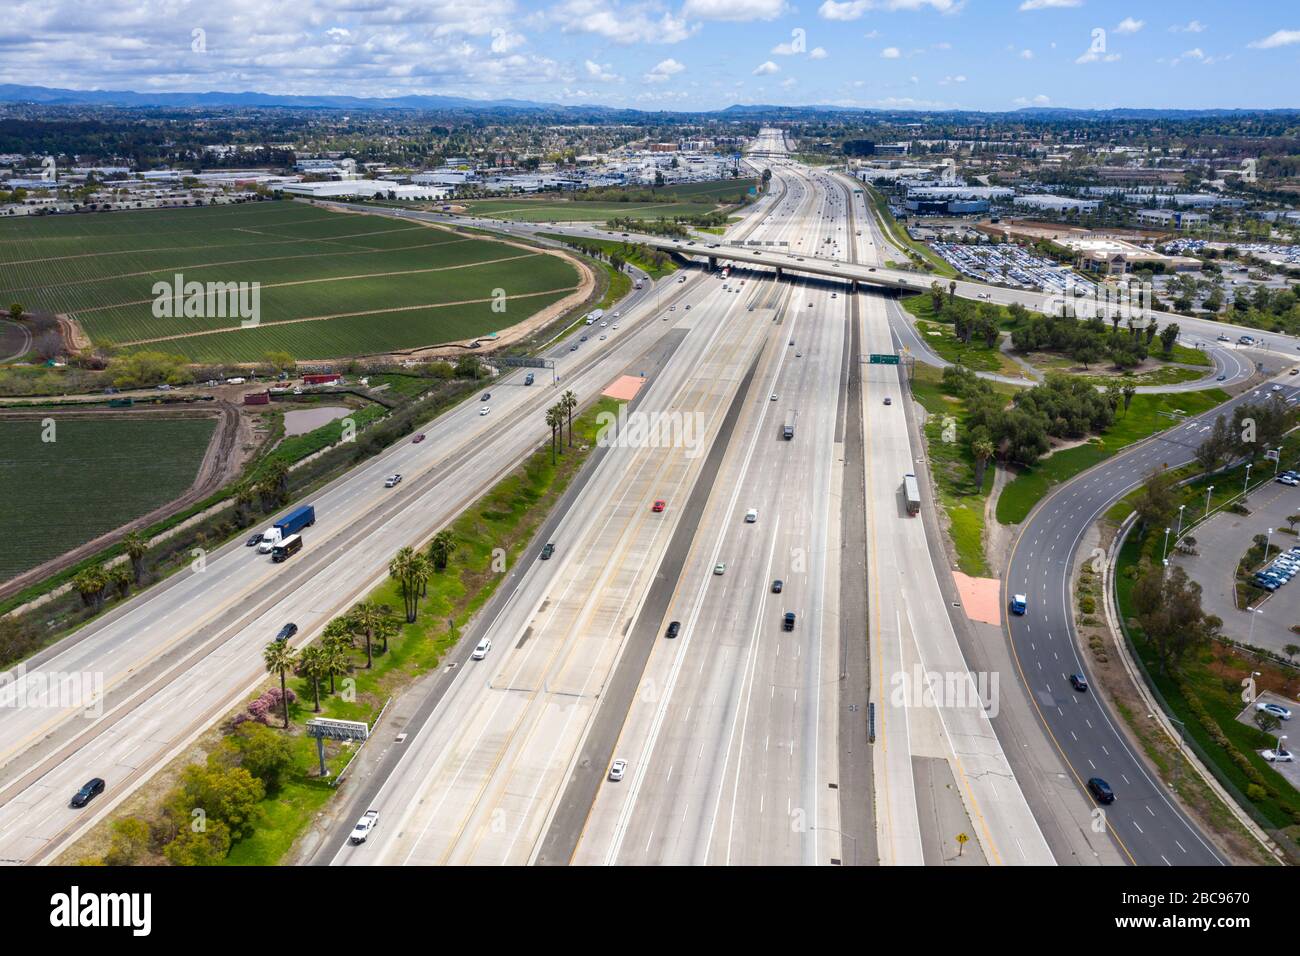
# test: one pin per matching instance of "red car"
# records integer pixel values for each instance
(658, 505)
(418, 438)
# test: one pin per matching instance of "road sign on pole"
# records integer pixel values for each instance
(879, 358)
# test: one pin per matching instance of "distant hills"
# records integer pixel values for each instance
(128, 99)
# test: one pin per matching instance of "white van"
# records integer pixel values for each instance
(751, 515)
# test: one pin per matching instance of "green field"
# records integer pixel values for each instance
(97, 475)
(331, 284)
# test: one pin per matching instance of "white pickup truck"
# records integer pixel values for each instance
(364, 826)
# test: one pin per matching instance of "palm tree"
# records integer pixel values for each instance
(399, 569)
(554, 419)
(570, 403)
(367, 617)
(90, 584)
(1129, 392)
(136, 546)
(441, 549)
(245, 495)
(337, 639)
(313, 664)
(982, 449)
(279, 658)
(119, 577)
(337, 661)
(421, 571)
(384, 629)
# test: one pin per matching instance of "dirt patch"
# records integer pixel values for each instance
(999, 538)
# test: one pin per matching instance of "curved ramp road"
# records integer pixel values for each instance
(1148, 826)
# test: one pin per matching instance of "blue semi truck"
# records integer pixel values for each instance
(290, 524)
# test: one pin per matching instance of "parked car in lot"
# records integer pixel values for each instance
(1286, 480)
(1101, 790)
(89, 791)
(1278, 756)
(1277, 710)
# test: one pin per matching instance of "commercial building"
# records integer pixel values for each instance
(1172, 218)
(1056, 204)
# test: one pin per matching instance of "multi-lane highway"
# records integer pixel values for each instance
(779, 454)
(176, 657)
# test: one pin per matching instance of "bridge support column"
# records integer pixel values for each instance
(779, 274)
(853, 285)
(713, 263)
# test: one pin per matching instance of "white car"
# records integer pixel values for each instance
(392, 481)
(1277, 710)
(617, 769)
(484, 410)
(481, 649)
(364, 826)
(751, 515)
(1278, 756)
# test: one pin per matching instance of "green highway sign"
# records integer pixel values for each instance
(878, 358)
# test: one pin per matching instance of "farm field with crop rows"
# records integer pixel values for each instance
(388, 284)
(96, 475)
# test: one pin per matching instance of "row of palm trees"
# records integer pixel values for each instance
(331, 656)
(557, 415)
(97, 582)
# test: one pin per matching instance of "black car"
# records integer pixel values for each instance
(255, 539)
(1078, 682)
(548, 551)
(286, 632)
(777, 585)
(788, 623)
(90, 791)
(486, 396)
(674, 628)
(1101, 790)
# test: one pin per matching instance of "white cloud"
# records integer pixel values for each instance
(1049, 4)
(624, 25)
(1280, 38)
(853, 9)
(1039, 100)
(601, 72)
(891, 53)
(1193, 26)
(1129, 25)
(949, 80)
(1026, 54)
(817, 53)
(788, 83)
(871, 35)
(734, 10)
(663, 70)
(1094, 56)
(503, 40)
(766, 68)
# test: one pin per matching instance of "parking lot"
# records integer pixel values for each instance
(1290, 769)
(1221, 543)
(1008, 264)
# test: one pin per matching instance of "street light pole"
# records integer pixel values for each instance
(1208, 491)
(1268, 542)
(1180, 522)
(1165, 550)
(1247, 484)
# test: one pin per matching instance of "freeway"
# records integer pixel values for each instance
(479, 779)
(1148, 827)
(177, 656)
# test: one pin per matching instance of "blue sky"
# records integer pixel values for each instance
(686, 54)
